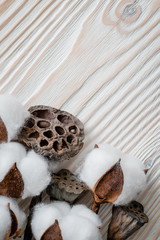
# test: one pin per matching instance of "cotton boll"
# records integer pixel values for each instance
(13, 114)
(134, 179)
(83, 211)
(9, 154)
(79, 228)
(5, 221)
(44, 216)
(97, 162)
(63, 207)
(20, 215)
(34, 170)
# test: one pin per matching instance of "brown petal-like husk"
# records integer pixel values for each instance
(14, 224)
(12, 185)
(53, 232)
(126, 220)
(3, 132)
(109, 186)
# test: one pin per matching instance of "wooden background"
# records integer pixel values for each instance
(99, 60)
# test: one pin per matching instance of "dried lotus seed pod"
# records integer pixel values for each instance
(65, 186)
(52, 133)
(126, 220)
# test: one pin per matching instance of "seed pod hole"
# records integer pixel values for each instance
(34, 135)
(30, 123)
(70, 138)
(43, 143)
(64, 144)
(48, 134)
(73, 129)
(59, 130)
(57, 147)
(43, 124)
(44, 114)
(64, 119)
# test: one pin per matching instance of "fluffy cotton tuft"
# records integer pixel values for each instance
(78, 223)
(43, 217)
(5, 221)
(82, 211)
(101, 159)
(10, 153)
(13, 115)
(35, 174)
(97, 162)
(79, 228)
(134, 179)
(21, 217)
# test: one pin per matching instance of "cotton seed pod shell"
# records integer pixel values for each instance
(53, 133)
(109, 186)
(12, 185)
(3, 132)
(53, 232)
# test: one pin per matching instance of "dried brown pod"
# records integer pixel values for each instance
(65, 186)
(52, 133)
(12, 185)
(53, 232)
(126, 220)
(109, 186)
(3, 132)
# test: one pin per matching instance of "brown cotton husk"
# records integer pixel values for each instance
(53, 232)
(3, 132)
(109, 186)
(12, 185)
(14, 224)
(126, 220)
(65, 186)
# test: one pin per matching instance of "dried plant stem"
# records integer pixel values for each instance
(28, 232)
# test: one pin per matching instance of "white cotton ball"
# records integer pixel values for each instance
(5, 221)
(62, 206)
(35, 174)
(97, 162)
(44, 216)
(134, 179)
(83, 211)
(13, 114)
(9, 154)
(76, 227)
(20, 215)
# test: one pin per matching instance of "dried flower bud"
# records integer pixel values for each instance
(65, 186)
(126, 220)
(52, 133)
(111, 180)
(12, 217)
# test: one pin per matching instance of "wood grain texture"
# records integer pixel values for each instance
(99, 60)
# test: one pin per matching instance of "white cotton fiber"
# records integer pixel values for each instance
(13, 114)
(62, 206)
(20, 215)
(82, 211)
(9, 154)
(134, 179)
(97, 162)
(101, 159)
(35, 174)
(79, 228)
(44, 216)
(5, 221)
